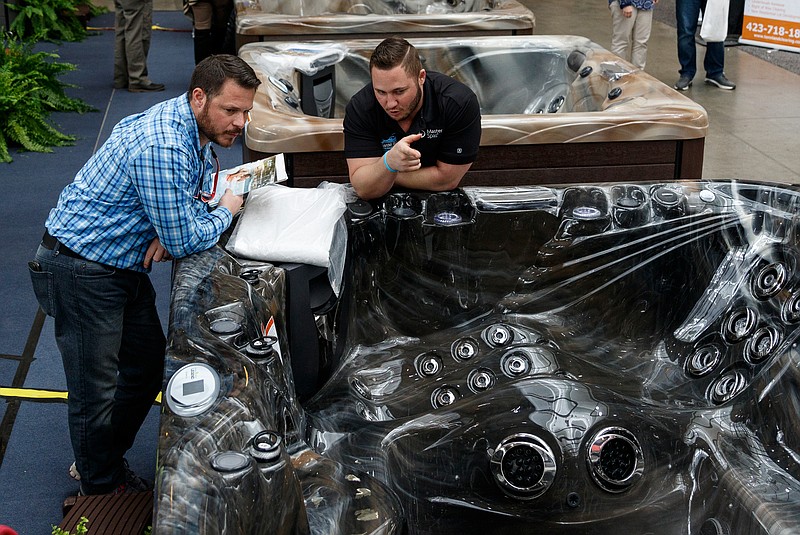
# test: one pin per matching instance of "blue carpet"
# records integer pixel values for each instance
(35, 443)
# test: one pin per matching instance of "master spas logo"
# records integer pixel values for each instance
(389, 142)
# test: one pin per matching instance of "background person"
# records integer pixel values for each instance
(138, 200)
(408, 127)
(133, 26)
(687, 12)
(631, 24)
(210, 20)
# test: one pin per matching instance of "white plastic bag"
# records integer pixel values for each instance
(283, 224)
(715, 21)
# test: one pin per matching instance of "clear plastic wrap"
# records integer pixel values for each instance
(535, 89)
(282, 224)
(561, 360)
(310, 19)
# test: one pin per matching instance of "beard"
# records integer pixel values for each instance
(413, 106)
(206, 127)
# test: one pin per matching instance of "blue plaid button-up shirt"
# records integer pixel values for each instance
(142, 183)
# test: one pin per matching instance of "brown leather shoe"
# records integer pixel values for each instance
(146, 87)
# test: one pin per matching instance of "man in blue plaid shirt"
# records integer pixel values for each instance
(139, 199)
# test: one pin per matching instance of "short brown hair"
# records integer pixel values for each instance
(211, 73)
(394, 51)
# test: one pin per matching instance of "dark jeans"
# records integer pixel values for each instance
(687, 12)
(112, 347)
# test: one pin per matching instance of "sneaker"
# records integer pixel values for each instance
(683, 83)
(132, 483)
(145, 87)
(122, 489)
(73, 472)
(720, 81)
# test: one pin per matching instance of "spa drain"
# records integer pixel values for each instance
(615, 459)
(523, 466)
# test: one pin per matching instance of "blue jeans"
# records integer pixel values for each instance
(686, 13)
(112, 347)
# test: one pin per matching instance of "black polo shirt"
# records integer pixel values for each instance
(450, 119)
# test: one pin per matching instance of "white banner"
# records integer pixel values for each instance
(772, 23)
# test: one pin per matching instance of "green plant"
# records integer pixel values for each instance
(29, 92)
(80, 528)
(51, 20)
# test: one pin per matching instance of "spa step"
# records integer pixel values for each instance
(122, 514)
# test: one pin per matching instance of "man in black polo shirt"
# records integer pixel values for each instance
(407, 127)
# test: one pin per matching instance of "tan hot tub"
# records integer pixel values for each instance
(265, 20)
(555, 109)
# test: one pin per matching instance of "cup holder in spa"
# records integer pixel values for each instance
(448, 209)
(584, 212)
(668, 202)
(583, 221)
(402, 206)
(629, 207)
(581, 197)
(227, 323)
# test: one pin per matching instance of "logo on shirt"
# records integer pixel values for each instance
(432, 133)
(389, 142)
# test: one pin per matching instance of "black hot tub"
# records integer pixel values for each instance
(561, 360)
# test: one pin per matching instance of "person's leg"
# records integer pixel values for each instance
(202, 13)
(141, 364)
(714, 65)
(621, 28)
(219, 29)
(229, 44)
(88, 301)
(686, 14)
(714, 60)
(120, 59)
(147, 30)
(133, 22)
(642, 26)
